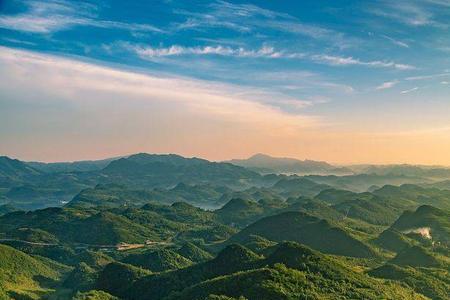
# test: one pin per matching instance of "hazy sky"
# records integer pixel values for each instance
(342, 81)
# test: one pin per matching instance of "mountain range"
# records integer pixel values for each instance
(149, 226)
(31, 185)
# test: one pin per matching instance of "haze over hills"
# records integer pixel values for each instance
(404, 169)
(33, 185)
(267, 164)
(76, 166)
(27, 187)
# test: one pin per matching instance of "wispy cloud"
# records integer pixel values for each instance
(445, 3)
(412, 13)
(395, 41)
(296, 81)
(263, 52)
(390, 84)
(50, 16)
(348, 61)
(409, 90)
(251, 18)
(150, 53)
(405, 12)
(16, 41)
(426, 77)
(337, 86)
(240, 17)
(387, 85)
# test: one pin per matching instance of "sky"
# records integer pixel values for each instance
(347, 82)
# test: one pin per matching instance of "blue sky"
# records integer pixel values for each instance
(372, 70)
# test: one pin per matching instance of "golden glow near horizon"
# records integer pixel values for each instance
(61, 109)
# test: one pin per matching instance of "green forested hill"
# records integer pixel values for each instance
(242, 212)
(416, 194)
(416, 256)
(13, 171)
(393, 240)
(148, 170)
(115, 195)
(158, 260)
(429, 282)
(306, 229)
(25, 276)
(194, 253)
(427, 221)
(99, 226)
(290, 272)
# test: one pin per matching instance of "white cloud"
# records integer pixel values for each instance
(348, 61)
(445, 82)
(386, 85)
(70, 79)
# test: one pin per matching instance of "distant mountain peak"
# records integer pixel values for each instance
(260, 155)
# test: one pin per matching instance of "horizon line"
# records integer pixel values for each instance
(116, 157)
